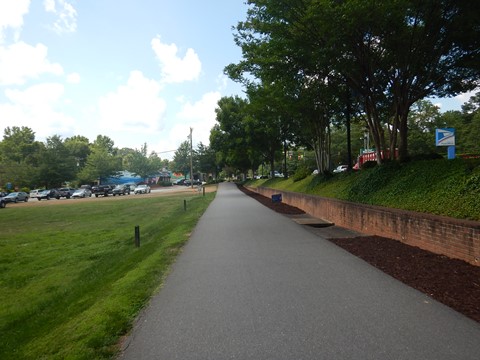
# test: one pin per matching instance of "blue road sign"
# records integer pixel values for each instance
(445, 137)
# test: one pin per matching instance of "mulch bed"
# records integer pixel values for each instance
(452, 282)
(279, 207)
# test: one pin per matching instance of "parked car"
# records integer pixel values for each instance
(16, 197)
(340, 168)
(48, 194)
(142, 189)
(131, 186)
(33, 194)
(65, 192)
(121, 189)
(3, 203)
(180, 181)
(102, 190)
(195, 182)
(82, 193)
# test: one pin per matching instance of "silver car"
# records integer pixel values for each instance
(16, 197)
(142, 189)
(82, 193)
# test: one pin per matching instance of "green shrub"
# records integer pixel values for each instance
(301, 173)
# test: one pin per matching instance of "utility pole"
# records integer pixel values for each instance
(191, 158)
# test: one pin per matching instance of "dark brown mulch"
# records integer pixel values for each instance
(452, 282)
(279, 207)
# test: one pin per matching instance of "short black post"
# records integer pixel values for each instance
(137, 236)
(185, 205)
(204, 191)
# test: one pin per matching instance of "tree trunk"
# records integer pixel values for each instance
(403, 144)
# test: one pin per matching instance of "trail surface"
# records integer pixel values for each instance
(252, 284)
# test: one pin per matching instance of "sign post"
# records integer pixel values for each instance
(446, 137)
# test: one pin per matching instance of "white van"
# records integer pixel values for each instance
(34, 193)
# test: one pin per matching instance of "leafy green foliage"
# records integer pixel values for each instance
(141, 164)
(301, 173)
(442, 187)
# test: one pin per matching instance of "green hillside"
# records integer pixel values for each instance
(442, 187)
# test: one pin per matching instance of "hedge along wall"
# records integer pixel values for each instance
(454, 238)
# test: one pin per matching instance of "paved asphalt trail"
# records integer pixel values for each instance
(252, 284)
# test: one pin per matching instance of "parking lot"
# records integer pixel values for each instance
(155, 192)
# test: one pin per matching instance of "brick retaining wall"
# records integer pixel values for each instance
(439, 234)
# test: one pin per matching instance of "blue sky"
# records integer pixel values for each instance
(136, 71)
(141, 71)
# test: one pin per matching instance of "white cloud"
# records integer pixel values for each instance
(465, 97)
(20, 61)
(222, 81)
(11, 16)
(73, 78)
(200, 116)
(135, 107)
(66, 15)
(175, 69)
(35, 108)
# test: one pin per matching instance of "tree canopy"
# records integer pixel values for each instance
(388, 55)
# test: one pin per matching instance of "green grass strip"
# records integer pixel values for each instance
(441, 187)
(71, 279)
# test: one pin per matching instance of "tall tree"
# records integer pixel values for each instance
(56, 165)
(79, 147)
(392, 53)
(18, 156)
(141, 164)
(181, 158)
(102, 162)
(231, 138)
(206, 159)
(423, 119)
(398, 52)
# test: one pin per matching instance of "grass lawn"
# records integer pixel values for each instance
(71, 279)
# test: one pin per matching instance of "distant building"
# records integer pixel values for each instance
(126, 177)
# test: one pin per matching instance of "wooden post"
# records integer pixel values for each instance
(137, 236)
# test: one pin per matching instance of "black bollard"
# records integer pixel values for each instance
(137, 236)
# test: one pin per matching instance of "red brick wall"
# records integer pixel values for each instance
(439, 234)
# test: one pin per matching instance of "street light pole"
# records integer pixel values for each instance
(191, 158)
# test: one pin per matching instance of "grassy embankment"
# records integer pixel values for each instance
(71, 280)
(442, 187)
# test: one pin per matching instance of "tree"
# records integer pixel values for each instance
(467, 125)
(106, 144)
(267, 124)
(18, 156)
(392, 54)
(206, 159)
(398, 52)
(102, 162)
(230, 139)
(142, 165)
(56, 164)
(79, 147)
(285, 57)
(181, 159)
(423, 119)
